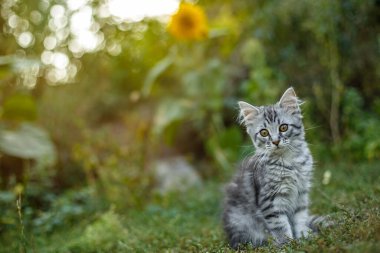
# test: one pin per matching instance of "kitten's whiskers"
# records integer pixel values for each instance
(310, 128)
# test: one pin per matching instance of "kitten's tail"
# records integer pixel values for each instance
(316, 223)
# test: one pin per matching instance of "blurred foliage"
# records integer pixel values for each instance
(114, 169)
(28, 142)
(362, 139)
(20, 107)
(106, 108)
(65, 210)
(105, 234)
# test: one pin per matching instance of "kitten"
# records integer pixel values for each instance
(269, 196)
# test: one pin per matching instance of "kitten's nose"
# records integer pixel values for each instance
(276, 142)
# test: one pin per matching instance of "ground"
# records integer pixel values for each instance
(190, 222)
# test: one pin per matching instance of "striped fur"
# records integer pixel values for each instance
(269, 196)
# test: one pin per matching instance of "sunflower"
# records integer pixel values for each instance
(189, 23)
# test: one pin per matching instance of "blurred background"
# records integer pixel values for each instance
(111, 103)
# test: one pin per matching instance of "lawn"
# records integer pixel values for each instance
(190, 222)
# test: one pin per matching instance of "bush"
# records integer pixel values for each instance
(361, 138)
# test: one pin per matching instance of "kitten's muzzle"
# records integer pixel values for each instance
(276, 142)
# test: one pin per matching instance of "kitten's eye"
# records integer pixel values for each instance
(264, 132)
(283, 127)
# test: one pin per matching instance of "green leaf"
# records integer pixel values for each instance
(155, 72)
(169, 112)
(28, 142)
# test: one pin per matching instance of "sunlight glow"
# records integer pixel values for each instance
(76, 4)
(81, 20)
(132, 10)
(60, 60)
(25, 39)
(50, 42)
(75, 24)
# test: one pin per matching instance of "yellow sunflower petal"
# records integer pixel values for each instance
(189, 23)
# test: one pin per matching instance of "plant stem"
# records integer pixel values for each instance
(22, 228)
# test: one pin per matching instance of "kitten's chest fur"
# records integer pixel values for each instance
(287, 176)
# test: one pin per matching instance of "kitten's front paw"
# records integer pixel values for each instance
(316, 223)
(303, 232)
(282, 240)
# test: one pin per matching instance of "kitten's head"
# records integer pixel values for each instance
(274, 128)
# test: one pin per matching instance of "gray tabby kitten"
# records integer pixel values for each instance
(269, 196)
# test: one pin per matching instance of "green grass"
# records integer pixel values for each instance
(190, 222)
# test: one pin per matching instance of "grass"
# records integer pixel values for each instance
(190, 222)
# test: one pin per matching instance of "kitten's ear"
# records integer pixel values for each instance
(289, 99)
(247, 112)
